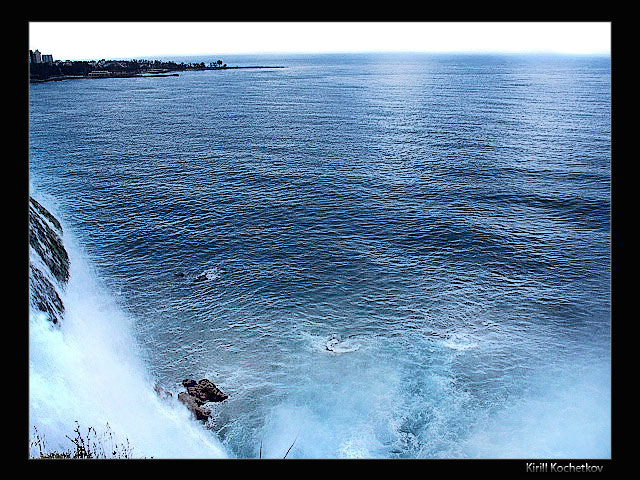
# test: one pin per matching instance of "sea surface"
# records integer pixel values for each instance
(406, 256)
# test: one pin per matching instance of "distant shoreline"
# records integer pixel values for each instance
(118, 74)
(115, 75)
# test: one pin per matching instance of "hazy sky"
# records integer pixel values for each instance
(124, 40)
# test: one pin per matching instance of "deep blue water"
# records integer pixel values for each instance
(447, 216)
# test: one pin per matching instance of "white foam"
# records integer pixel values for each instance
(569, 419)
(317, 434)
(460, 341)
(89, 371)
(211, 273)
(336, 345)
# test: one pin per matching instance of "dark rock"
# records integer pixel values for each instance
(188, 383)
(44, 295)
(199, 393)
(179, 274)
(46, 241)
(200, 278)
(50, 273)
(204, 391)
(201, 413)
(46, 213)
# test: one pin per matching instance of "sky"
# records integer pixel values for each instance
(128, 40)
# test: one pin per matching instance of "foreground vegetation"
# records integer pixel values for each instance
(87, 444)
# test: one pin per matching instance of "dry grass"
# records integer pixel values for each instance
(87, 444)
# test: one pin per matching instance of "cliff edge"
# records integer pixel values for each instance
(48, 262)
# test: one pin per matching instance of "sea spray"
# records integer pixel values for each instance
(88, 370)
(570, 418)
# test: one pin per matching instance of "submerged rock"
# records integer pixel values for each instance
(199, 393)
(337, 345)
(210, 274)
(162, 393)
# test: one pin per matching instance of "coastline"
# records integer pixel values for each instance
(76, 77)
(143, 75)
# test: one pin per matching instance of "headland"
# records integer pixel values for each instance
(50, 70)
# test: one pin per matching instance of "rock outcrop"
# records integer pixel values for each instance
(199, 393)
(48, 262)
(43, 295)
(200, 412)
(204, 390)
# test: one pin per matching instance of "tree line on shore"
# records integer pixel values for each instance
(43, 71)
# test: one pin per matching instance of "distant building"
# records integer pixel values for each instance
(47, 58)
(99, 73)
(37, 57)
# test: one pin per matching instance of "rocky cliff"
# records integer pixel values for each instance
(48, 262)
(48, 277)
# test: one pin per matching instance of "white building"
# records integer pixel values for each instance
(47, 58)
(99, 73)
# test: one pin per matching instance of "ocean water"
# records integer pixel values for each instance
(407, 256)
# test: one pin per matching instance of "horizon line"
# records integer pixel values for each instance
(345, 52)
